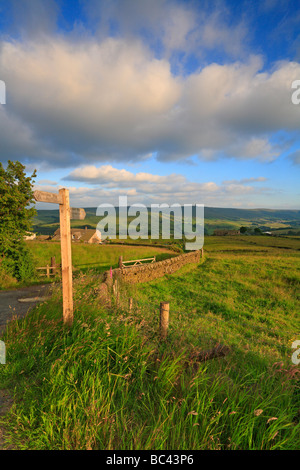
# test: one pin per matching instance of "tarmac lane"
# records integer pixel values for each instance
(16, 303)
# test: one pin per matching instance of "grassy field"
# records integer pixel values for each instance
(110, 383)
(47, 221)
(85, 258)
(95, 257)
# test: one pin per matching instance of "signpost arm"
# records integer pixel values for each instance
(66, 256)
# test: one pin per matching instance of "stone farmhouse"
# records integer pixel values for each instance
(81, 235)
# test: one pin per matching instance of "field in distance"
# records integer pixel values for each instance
(94, 257)
(282, 222)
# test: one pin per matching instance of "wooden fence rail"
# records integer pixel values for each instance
(135, 262)
(50, 270)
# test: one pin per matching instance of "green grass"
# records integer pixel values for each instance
(109, 383)
(85, 258)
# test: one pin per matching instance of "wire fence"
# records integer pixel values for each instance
(204, 328)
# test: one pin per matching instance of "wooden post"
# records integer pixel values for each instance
(202, 252)
(53, 265)
(164, 319)
(48, 270)
(66, 256)
(65, 214)
(120, 261)
(116, 292)
(130, 304)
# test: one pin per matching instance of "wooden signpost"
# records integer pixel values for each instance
(65, 214)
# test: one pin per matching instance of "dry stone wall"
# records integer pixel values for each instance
(148, 272)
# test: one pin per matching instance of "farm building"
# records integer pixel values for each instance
(29, 236)
(81, 235)
(226, 232)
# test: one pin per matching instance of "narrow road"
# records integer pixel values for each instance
(11, 304)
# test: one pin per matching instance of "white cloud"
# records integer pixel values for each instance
(113, 177)
(108, 183)
(77, 103)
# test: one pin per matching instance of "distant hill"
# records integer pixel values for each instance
(251, 214)
(47, 221)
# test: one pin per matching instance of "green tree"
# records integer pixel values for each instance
(243, 229)
(16, 197)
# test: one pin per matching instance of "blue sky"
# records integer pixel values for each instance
(160, 100)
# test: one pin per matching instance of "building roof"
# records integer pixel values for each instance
(81, 234)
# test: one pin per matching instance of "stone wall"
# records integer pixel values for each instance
(148, 272)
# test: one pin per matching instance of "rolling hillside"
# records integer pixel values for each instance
(283, 221)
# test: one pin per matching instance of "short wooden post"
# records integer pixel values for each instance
(130, 303)
(116, 292)
(164, 319)
(53, 265)
(202, 252)
(120, 261)
(48, 271)
(66, 256)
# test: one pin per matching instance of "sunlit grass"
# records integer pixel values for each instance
(85, 256)
(110, 383)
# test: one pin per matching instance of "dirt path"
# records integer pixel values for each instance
(11, 304)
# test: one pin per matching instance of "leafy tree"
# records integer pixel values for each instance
(16, 195)
(243, 229)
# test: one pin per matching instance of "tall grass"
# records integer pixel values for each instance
(108, 382)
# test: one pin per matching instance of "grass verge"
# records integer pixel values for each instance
(109, 383)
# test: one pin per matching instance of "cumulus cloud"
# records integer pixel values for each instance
(106, 183)
(112, 177)
(71, 103)
(171, 26)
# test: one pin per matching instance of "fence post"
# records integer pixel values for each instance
(116, 292)
(130, 303)
(120, 261)
(164, 319)
(53, 265)
(48, 271)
